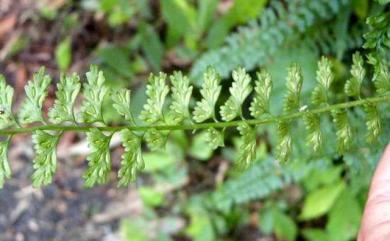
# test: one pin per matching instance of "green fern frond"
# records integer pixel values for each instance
(67, 91)
(178, 117)
(99, 159)
(36, 92)
(205, 109)
(45, 161)
(239, 91)
(156, 91)
(94, 92)
(260, 103)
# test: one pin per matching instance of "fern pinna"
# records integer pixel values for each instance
(159, 121)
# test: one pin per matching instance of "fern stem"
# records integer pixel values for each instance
(273, 119)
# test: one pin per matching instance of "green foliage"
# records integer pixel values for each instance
(254, 44)
(239, 92)
(160, 121)
(156, 91)
(132, 160)
(94, 93)
(260, 103)
(210, 91)
(99, 160)
(67, 91)
(6, 95)
(45, 161)
(64, 54)
(36, 92)
(5, 169)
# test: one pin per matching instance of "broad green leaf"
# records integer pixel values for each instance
(45, 161)
(6, 95)
(94, 92)
(181, 96)
(239, 90)
(5, 169)
(200, 226)
(151, 197)
(63, 54)
(158, 161)
(320, 201)
(215, 138)
(315, 234)
(284, 226)
(99, 160)
(200, 147)
(151, 45)
(156, 91)
(36, 92)
(132, 160)
(67, 91)
(344, 218)
(211, 88)
(260, 103)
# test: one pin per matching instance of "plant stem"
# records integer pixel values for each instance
(81, 128)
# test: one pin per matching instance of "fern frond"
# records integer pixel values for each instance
(132, 160)
(215, 138)
(36, 92)
(239, 92)
(205, 109)
(94, 92)
(6, 94)
(178, 116)
(181, 96)
(156, 91)
(45, 161)
(260, 103)
(353, 85)
(99, 159)
(67, 91)
(5, 169)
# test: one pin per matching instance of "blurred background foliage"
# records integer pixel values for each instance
(189, 191)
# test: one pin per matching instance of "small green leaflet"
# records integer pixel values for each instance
(156, 91)
(210, 91)
(181, 96)
(294, 86)
(373, 122)
(6, 95)
(353, 85)
(381, 79)
(215, 138)
(156, 139)
(325, 78)
(313, 127)
(260, 103)
(343, 130)
(94, 92)
(5, 169)
(68, 89)
(239, 90)
(36, 92)
(284, 147)
(247, 151)
(132, 160)
(99, 160)
(45, 161)
(121, 99)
